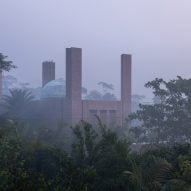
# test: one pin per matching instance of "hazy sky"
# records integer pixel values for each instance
(156, 32)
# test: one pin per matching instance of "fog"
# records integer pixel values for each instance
(156, 33)
(66, 137)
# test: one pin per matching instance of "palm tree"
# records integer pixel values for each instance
(18, 103)
(151, 173)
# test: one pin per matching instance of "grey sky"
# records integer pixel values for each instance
(156, 32)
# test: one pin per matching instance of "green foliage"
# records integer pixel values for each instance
(18, 103)
(104, 152)
(150, 173)
(99, 160)
(168, 119)
(12, 171)
(4, 64)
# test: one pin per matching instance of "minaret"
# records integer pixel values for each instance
(48, 72)
(126, 85)
(74, 84)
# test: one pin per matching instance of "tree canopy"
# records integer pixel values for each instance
(5, 65)
(18, 103)
(98, 159)
(168, 118)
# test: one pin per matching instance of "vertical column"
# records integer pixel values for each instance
(126, 85)
(1, 84)
(74, 83)
(48, 72)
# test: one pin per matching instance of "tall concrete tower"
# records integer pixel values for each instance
(1, 84)
(48, 72)
(74, 84)
(126, 85)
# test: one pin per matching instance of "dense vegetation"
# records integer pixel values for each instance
(97, 158)
(168, 119)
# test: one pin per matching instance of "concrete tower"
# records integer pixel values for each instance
(126, 85)
(74, 84)
(1, 84)
(48, 72)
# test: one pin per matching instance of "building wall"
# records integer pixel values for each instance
(108, 111)
(53, 111)
(126, 85)
(1, 84)
(71, 109)
(48, 72)
(74, 84)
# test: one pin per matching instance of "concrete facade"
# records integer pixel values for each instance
(72, 108)
(126, 85)
(48, 72)
(1, 84)
(74, 84)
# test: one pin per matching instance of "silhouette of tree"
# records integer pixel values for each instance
(169, 118)
(18, 103)
(4, 64)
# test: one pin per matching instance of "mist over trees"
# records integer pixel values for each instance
(98, 160)
(153, 154)
(57, 88)
(18, 103)
(169, 117)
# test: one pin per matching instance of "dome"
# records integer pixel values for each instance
(54, 88)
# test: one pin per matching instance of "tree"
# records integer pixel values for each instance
(18, 103)
(104, 95)
(168, 119)
(135, 101)
(106, 87)
(4, 64)
(100, 160)
(103, 156)
(148, 172)
(177, 173)
(107, 91)
(12, 173)
(94, 95)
